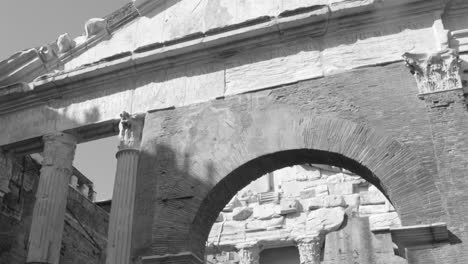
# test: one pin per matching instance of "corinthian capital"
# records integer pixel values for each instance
(249, 253)
(435, 72)
(310, 249)
(130, 131)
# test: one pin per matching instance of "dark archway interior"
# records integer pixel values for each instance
(221, 194)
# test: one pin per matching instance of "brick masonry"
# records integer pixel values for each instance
(369, 121)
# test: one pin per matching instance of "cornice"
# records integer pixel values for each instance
(25, 66)
(221, 42)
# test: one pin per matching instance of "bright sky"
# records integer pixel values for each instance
(31, 23)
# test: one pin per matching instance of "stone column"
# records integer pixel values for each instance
(249, 254)
(309, 250)
(45, 237)
(121, 217)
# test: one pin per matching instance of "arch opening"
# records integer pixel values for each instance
(253, 144)
(267, 166)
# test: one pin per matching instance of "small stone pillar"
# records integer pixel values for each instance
(121, 216)
(249, 254)
(74, 181)
(309, 250)
(45, 237)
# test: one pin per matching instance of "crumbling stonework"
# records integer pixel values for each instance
(85, 226)
(318, 223)
(232, 90)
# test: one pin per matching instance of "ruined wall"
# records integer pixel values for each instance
(85, 230)
(381, 97)
(300, 193)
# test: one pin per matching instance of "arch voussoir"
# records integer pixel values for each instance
(277, 137)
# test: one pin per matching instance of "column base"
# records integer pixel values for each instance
(180, 258)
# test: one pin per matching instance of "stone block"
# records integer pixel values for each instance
(232, 204)
(374, 197)
(294, 222)
(291, 188)
(352, 200)
(289, 207)
(266, 211)
(373, 209)
(343, 188)
(220, 218)
(333, 201)
(241, 213)
(243, 73)
(264, 224)
(307, 173)
(335, 177)
(385, 220)
(313, 203)
(315, 183)
(372, 188)
(232, 226)
(247, 197)
(307, 193)
(321, 190)
(324, 220)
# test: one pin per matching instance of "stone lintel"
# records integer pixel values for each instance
(82, 134)
(420, 236)
(179, 258)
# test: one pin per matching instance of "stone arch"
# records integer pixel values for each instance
(272, 138)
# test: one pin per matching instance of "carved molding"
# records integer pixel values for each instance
(309, 249)
(249, 254)
(130, 131)
(435, 72)
(59, 151)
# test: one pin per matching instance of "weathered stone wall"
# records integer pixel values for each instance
(382, 98)
(85, 230)
(150, 78)
(302, 196)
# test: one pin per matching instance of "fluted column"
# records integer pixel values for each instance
(309, 250)
(123, 199)
(249, 254)
(45, 237)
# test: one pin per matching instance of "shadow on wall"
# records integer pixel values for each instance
(177, 202)
(221, 194)
(169, 191)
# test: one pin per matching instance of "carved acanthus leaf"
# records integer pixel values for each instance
(435, 72)
(130, 127)
(309, 249)
(249, 253)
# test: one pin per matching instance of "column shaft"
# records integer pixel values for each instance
(121, 217)
(123, 199)
(45, 237)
